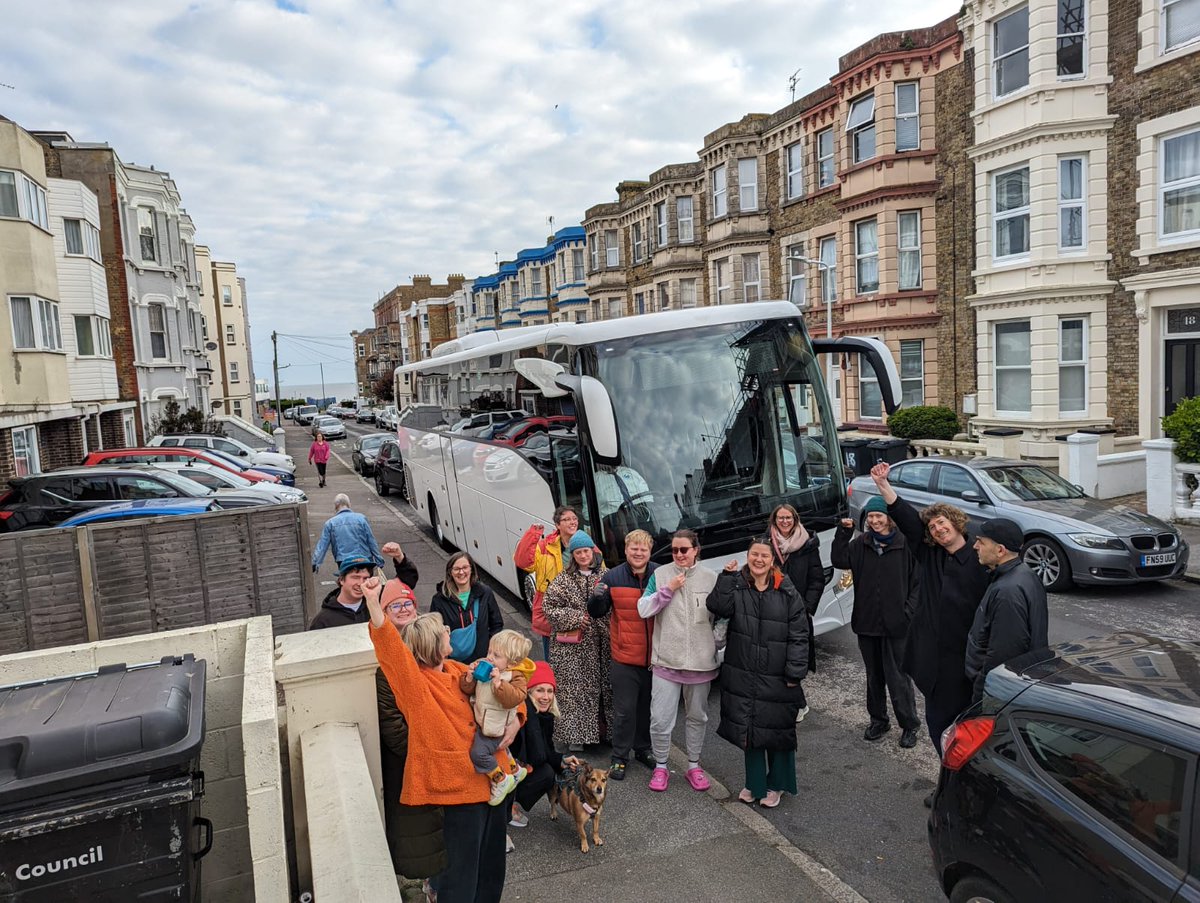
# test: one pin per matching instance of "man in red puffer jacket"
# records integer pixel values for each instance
(630, 640)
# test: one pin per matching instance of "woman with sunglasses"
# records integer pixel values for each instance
(465, 602)
(414, 833)
(766, 657)
(684, 658)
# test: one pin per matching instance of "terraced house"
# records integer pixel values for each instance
(846, 201)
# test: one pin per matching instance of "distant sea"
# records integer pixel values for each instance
(339, 391)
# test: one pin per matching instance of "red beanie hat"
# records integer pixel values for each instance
(395, 589)
(543, 674)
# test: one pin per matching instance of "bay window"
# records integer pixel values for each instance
(683, 219)
(1071, 216)
(908, 247)
(1010, 218)
(866, 257)
(1010, 52)
(908, 121)
(721, 280)
(795, 170)
(1013, 367)
(751, 278)
(719, 205)
(1071, 34)
(748, 184)
(1072, 366)
(825, 168)
(860, 126)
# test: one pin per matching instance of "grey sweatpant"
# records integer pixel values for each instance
(664, 709)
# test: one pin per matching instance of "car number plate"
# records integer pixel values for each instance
(1163, 558)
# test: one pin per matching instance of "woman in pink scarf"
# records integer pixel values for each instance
(798, 556)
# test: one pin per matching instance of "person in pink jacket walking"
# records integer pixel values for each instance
(318, 453)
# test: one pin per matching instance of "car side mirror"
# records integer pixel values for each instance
(972, 496)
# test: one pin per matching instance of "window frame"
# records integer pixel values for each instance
(1060, 36)
(920, 343)
(684, 285)
(793, 166)
(747, 165)
(30, 453)
(997, 367)
(612, 249)
(915, 115)
(1066, 204)
(720, 188)
(998, 59)
(635, 241)
(747, 282)
(1184, 184)
(722, 287)
(230, 334)
(1165, 12)
(1025, 210)
(823, 159)
(797, 272)
(1080, 364)
(69, 222)
(901, 251)
(235, 372)
(662, 233)
(45, 322)
(860, 259)
(577, 271)
(151, 235)
(152, 332)
(594, 249)
(28, 199)
(690, 219)
(829, 287)
(227, 296)
(867, 377)
(856, 131)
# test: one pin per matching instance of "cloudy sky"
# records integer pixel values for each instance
(335, 148)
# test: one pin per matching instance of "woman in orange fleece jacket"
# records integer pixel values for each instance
(439, 771)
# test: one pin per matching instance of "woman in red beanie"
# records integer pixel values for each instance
(535, 744)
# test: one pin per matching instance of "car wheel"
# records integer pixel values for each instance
(380, 486)
(1049, 562)
(357, 466)
(976, 889)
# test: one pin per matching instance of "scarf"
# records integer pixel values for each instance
(880, 541)
(786, 545)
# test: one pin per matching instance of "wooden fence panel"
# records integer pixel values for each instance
(150, 575)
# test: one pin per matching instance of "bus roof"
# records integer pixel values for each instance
(481, 344)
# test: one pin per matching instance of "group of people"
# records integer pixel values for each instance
(474, 733)
(934, 607)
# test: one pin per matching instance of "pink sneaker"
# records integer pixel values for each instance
(660, 779)
(698, 779)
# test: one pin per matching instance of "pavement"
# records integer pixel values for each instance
(674, 846)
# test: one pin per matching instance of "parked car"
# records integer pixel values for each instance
(289, 414)
(305, 413)
(1069, 536)
(143, 508)
(389, 468)
(287, 477)
(385, 417)
(365, 449)
(213, 477)
(421, 417)
(228, 445)
(1074, 779)
(154, 455)
(486, 421)
(515, 434)
(365, 415)
(330, 426)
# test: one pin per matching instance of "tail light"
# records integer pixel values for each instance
(5, 515)
(962, 740)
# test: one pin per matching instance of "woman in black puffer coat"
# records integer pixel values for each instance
(766, 657)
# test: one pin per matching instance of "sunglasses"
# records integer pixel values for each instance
(681, 550)
(400, 606)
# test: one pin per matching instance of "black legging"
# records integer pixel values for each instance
(321, 471)
(536, 785)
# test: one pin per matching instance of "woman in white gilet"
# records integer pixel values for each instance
(684, 657)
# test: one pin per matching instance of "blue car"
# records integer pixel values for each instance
(142, 508)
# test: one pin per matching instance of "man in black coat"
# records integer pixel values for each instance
(1012, 619)
(951, 581)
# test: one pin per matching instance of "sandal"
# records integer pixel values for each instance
(616, 771)
(746, 796)
(771, 800)
(698, 779)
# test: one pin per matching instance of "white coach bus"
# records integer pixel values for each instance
(705, 418)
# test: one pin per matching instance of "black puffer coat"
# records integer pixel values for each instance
(766, 649)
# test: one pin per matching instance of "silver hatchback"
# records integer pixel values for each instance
(1069, 536)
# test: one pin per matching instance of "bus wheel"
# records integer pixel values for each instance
(436, 521)
(528, 590)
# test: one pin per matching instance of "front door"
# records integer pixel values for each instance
(1183, 371)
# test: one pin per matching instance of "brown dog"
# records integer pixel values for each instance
(581, 792)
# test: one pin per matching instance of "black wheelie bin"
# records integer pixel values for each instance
(100, 786)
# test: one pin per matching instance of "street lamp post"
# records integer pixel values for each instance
(822, 266)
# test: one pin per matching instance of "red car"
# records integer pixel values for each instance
(515, 435)
(174, 453)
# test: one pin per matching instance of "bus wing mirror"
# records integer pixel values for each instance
(599, 421)
(874, 353)
(542, 374)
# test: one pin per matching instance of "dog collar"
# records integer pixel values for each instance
(588, 809)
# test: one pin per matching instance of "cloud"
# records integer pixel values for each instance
(334, 148)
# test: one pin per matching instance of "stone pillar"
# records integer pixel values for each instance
(280, 439)
(1083, 469)
(1002, 442)
(1160, 478)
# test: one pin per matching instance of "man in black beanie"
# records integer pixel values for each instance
(1012, 617)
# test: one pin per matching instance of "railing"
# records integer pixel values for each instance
(923, 448)
(1169, 494)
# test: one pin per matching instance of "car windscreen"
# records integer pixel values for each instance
(372, 443)
(1029, 483)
